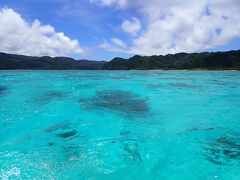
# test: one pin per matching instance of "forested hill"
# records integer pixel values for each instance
(13, 61)
(206, 60)
(213, 61)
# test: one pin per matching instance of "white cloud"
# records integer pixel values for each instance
(175, 26)
(21, 37)
(118, 3)
(118, 42)
(114, 45)
(131, 26)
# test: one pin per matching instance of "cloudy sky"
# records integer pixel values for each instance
(103, 29)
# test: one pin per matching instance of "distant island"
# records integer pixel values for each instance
(229, 60)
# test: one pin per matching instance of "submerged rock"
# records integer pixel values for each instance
(224, 150)
(51, 144)
(124, 101)
(67, 134)
(62, 130)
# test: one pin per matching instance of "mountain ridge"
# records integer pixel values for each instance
(229, 60)
(205, 60)
(14, 61)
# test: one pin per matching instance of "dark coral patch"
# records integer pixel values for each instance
(224, 150)
(124, 101)
(115, 95)
(3, 90)
(51, 144)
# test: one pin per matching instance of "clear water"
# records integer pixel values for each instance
(119, 125)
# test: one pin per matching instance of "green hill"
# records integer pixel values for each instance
(211, 61)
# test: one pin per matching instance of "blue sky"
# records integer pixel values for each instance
(105, 29)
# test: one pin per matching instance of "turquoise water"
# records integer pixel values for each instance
(119, 125)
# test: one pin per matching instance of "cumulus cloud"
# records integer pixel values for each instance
(131, 26)
(21, 37)
(175, 26)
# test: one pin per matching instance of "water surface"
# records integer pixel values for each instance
(119, 125)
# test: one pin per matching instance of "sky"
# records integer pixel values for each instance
(104, 29)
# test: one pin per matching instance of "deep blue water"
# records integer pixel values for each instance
(120, 125)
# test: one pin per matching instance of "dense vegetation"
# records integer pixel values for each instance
(12, 61)
(206, 60)
(212, 61)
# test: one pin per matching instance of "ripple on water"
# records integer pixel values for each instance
(13, 172)
(131, 150)
(183, 85)
(154, 86)
(120, 77)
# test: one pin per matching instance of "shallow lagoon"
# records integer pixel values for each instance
(120, 124)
